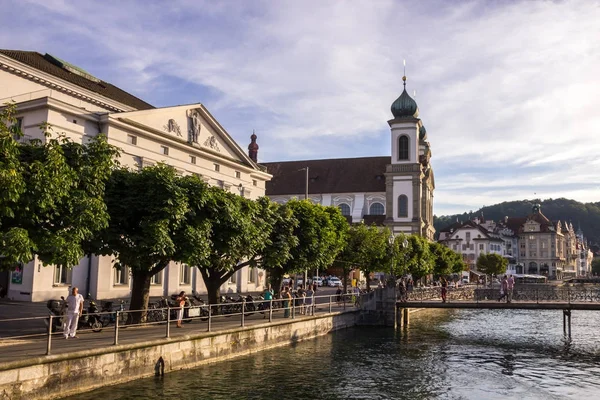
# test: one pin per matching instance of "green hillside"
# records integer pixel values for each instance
(586, 215)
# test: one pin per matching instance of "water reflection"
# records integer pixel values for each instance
(463, 354)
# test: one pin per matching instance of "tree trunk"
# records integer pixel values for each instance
(140, 294)
(213, 282)
(276, 277)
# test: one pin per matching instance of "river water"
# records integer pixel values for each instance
(444, 354)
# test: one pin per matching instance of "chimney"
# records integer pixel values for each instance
(253, 148)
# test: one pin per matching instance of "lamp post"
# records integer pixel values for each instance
(391, 280)
(306, 198)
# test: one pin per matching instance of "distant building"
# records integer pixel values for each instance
(532, 244)
(47, 89)
(394, 191)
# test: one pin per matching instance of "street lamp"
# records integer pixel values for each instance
(391, 280)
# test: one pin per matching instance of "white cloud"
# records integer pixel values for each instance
(504, 85)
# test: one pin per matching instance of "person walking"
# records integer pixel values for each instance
(74, 310)
(503, 288)
(300, 299)
(267, 296)
(444, 284)
(308, 300)
(510, 285)
(181, 302)
(286, 296)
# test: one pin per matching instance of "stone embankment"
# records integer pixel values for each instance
(56, 376)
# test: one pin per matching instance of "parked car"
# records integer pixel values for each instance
(334, 282)
(317, 280)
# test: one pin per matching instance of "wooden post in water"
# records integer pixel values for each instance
(567, 323)
(406, 317)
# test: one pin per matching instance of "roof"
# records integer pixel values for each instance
(51, 65)
(340, 175)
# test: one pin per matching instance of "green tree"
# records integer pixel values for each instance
(146, 208)
(596, 266)
(419, 258)
(240, 230)
(491, 263)
(321, 235)
(368, 248)
(52, 197)
(446, 260)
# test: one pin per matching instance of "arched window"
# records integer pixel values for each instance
(402, 206)
(345, 208)
(376, 209)
(403, 150)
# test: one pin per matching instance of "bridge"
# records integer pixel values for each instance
(528, 297)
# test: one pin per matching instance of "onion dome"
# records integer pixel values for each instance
(253, 148)
(405, 106)
(422, 133)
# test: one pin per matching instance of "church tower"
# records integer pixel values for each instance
(409, 177)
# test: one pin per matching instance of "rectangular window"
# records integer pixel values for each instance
(233, 278)
(185, 274)
(62, 275)
(522, 254)
(121, 276)
(471, 246)
(251, 275)
(132, 140)
(238, 174)
(164, 150)
(468, 236)
(217, 167)
(531, 237)
(254, 182)
(193, 159)
(156, 279)
(481, 245)
(454, 247)
(464, 246)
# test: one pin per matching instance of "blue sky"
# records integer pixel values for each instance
(508, 90)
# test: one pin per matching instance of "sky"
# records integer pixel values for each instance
(508, 90)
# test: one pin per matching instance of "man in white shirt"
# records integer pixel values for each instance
(74, 310)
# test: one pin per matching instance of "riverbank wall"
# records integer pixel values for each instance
(56, 376)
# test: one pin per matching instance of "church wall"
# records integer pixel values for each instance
(410, 130)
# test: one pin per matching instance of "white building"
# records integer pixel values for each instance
(394, 191)
(189, 138)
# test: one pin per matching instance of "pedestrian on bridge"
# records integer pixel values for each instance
(510, 285)
(444, 284)
(503, 289)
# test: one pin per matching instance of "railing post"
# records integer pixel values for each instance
(168, 322)
(49, 344)
(209, 316)
(293, 304)
(271, 310)
(330, 302)
(116, 341)
(243, 309)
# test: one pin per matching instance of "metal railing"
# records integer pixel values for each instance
(565, 295)
(201, 318)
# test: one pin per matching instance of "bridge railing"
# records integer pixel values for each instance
(475, 293)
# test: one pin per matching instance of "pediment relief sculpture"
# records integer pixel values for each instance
(211, 142)
(172, 126)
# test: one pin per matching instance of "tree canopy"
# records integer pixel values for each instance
(52, 197)
(147, 209)
(492, 263)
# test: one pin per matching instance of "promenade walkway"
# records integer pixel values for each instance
(14, 348)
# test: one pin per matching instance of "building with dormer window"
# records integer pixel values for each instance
(46, 89)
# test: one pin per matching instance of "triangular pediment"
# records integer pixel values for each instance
(191, 124)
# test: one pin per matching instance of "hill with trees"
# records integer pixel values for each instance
(584, 215)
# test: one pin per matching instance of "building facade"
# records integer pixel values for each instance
(46, 89)
(395, 191)
(533, 244)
